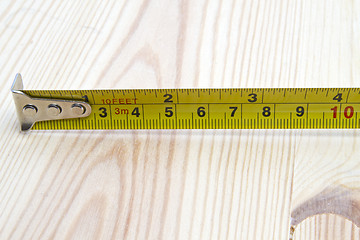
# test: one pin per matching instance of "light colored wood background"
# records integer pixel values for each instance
(213, 184)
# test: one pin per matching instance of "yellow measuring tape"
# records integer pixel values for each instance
(247, 108)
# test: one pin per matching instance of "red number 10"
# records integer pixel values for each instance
(348, 112)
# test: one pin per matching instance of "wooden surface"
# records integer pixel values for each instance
(213, 184)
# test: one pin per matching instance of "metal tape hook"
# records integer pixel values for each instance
(31, 110)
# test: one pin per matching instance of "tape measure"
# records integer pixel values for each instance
(235, 108)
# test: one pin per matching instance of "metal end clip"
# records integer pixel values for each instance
(31, 110)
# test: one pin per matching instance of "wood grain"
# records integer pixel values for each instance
(199, 184)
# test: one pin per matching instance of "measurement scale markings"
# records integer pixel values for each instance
(186, 108)
(285, 103)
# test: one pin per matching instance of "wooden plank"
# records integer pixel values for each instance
(200, 184)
